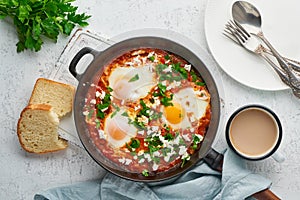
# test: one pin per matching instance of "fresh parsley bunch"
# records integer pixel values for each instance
(35, 19)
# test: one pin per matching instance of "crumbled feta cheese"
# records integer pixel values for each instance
(186, 156)
(122, 160)
(85, 100)
(141, 132)
(122, 102)
(129, 63)
(199, 136)
(155, 167)
(176, 140)
(102, 95)
(93, 101)
(167, 158)
(98, 94)
(135, 157)
(164, 82)
(182, 150)
(186, 137)
(128, 161)
(104, 109)
(154, 128)
(136, 108)
(147, 156)
(187, 67)
(137, 59)
(192, 129)
(156, 153)
(141, 160)
(168, 69)
(143, 119)
(93, 85)
(150, 54)
(85, 113)
(101, 134)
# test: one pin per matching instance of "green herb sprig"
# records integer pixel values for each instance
(37, 18)
(164, 100)
(105, 103)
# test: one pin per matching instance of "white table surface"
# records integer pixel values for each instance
(23, 174)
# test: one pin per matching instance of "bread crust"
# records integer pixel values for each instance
(36, 98)
(42, 107)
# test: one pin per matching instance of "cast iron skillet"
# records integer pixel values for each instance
(93, 72)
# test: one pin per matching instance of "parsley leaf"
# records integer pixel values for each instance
(145, 172)
(135, 78)
(152, 58)
(135, 143)
(35, 19)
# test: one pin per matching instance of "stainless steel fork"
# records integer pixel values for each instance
(253, 44)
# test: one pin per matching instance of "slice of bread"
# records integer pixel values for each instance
(38, 129)
(58, 95)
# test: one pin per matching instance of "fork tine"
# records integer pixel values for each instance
(239, 30)
(229, 35)
(229, 29)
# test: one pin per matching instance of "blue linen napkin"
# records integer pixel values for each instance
(201, 182)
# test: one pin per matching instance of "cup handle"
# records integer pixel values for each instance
(278, 157)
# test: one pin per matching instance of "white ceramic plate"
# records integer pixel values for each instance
(281, 26)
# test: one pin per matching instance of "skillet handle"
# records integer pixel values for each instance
(77, 58)
(215, 160)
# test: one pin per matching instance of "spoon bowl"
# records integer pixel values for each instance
(247, 15)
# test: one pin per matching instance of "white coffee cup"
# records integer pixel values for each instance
(254, 132)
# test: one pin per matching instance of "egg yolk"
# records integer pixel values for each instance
(174, 114)
(115, 132)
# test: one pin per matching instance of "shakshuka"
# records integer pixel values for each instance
(148, 111)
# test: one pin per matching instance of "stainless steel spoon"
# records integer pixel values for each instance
(249, 17)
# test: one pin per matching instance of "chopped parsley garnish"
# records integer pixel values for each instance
(165, 151)
(117, 109)
(155, 116)
(152, 58)
(97, 123)
(145, 110)
(195, 79)
(135, 78)
(167, 57)
(135, 143)
(184, 160)
(169, 137)
(196, 141)
(200, 83)
(91, 112)
(153, 142)
(145, 172)
(177, 68)
(106, 101)
(109, 89)
(125, 114)
(164, 99)
(137, 124)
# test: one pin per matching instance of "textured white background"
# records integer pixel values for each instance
(22, 174)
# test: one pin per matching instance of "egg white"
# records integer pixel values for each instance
(121, 123)
(194, 108)
(124, 89)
